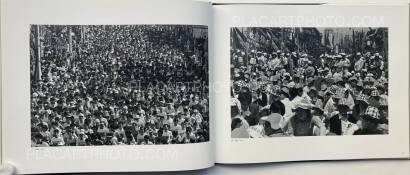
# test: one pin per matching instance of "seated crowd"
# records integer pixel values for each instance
(295, 94)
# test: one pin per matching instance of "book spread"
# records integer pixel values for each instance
(182, 85)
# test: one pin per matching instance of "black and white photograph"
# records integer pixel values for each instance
(307, 81)
(118, 85)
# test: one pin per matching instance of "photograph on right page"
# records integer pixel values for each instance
(306, 81)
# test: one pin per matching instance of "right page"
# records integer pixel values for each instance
(287, 73)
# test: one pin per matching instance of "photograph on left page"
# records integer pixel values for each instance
(118, 85)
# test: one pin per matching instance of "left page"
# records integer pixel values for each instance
(105, 86)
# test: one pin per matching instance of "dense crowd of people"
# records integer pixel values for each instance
(119, 85)
(296, 94)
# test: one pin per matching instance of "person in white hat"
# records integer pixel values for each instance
(359, 64)
(331, 106)
(275, 63)
(301, 123)
(252, 60)
(319, 128)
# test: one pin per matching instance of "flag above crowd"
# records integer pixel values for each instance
(313, 41)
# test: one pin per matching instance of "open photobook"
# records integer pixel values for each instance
(123, 86)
